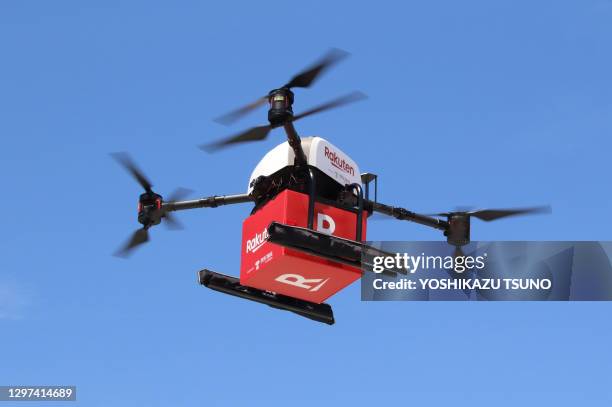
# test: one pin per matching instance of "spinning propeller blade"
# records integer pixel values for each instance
(302, 80)
(179, 194)
(493, 214)
(341, 101)
(139, 237)
(234, 115)
(307, 77)
(126, 162)
(261, 132)
(252, 134)
(154, 216)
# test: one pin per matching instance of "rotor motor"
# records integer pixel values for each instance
(281, 106)
(149, 203)
(458, 232)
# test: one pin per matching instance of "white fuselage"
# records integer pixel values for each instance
(320, 154)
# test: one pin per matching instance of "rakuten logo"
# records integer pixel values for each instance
(255, 243)
(296, 280)
(325, 224)
(338, 161)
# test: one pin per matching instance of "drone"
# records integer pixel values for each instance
(304, 239)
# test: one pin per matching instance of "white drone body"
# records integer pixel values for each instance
(320, 154)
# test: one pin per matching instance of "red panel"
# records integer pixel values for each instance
(274, 268)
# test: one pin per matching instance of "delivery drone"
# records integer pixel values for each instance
(304, 239)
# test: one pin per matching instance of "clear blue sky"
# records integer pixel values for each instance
(479, 103)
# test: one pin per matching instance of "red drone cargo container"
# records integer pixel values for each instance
(271, 267)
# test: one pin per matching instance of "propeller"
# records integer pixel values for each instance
(178, 194)
(261, 132)
(302, 80)
(488, 215)
(139, 237)
(148, 215)
(126, 162)
(458, 230)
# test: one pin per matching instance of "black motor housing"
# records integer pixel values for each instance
(281, 106)
(458, 232)
(149, 205)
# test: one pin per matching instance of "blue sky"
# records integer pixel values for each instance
(479, 103)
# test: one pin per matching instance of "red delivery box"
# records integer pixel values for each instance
(271, 267)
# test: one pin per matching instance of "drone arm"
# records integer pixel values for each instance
(296, 143)
(404, 214)
(208, 202)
